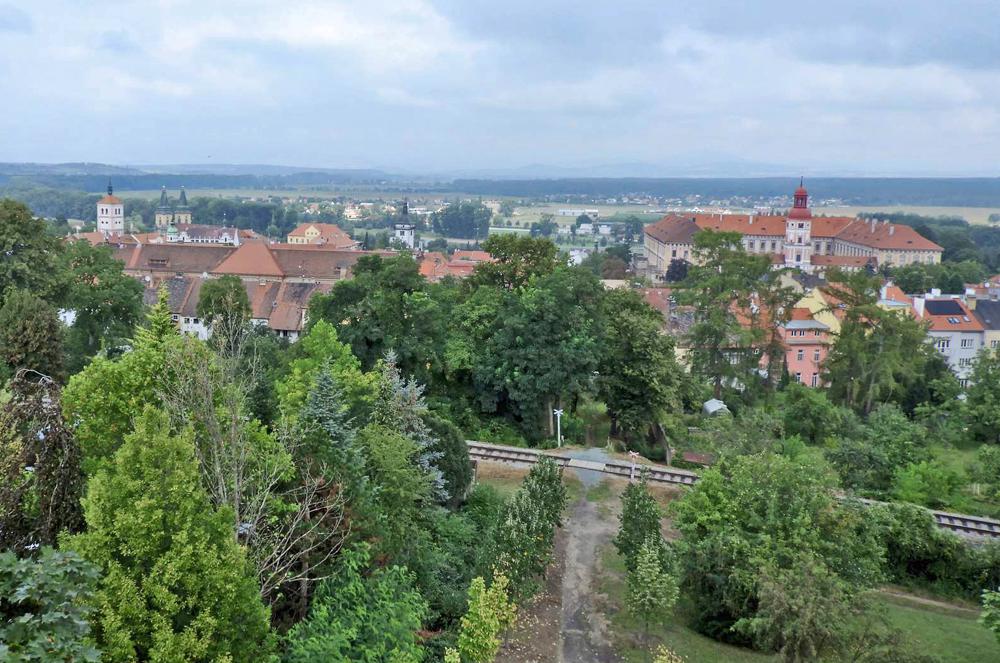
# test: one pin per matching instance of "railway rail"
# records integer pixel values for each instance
(970, 526)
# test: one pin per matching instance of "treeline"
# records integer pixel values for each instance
(151, 182)
(972, 191)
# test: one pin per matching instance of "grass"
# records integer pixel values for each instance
(952, 635)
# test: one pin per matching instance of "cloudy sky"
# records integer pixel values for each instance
(887, 87)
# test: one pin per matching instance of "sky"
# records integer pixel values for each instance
(846, 87)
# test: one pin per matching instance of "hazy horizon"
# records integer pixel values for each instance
(448, 87)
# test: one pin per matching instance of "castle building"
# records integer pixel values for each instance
(796, 239)
(110, 214)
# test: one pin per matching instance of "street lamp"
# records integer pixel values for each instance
(558, 414)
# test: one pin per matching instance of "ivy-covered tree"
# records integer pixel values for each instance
(40, 477)
(45, 604)
(31, 337)
(175, 584)
(359, 614)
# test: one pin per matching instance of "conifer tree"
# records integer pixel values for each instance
(175, 584)
(159, 323)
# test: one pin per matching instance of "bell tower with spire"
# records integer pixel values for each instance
(798, 232)
(182, 213)
(110, 214)
(164, 216)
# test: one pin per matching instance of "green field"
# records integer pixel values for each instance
(978, 215)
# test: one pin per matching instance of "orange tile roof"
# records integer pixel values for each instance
(843, 261)
(252, 258)
(886, 236)
(829, 226)
(473, 256)
(110, 200)
(745, 224)
(673, 229)
(956, 318)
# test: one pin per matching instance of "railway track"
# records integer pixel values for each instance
(969, 526)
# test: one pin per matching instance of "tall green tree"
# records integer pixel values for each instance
(760, 512)
(719, 286)
(175, 584)
(983, 398)
(516, 259)
(224, 297)
(360, 614)
(639, 374)
(878, 353)
(106, 302)
(30, 254)
(639, 520)
(31, 336)
(652, 589)
(465, 220)
(45, 604)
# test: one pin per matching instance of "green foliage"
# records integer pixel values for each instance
(175, 585)
(546, 490)
(984, 398)
(106, 301)
(452, 457)
(757, 513)
(317, 351)
(388, 305)
(868, 461)
(31, 336)
(639, 374)
(879, 354)
(30, 255)
(991, 612)
(927, 483)
(159, 324)
(361, 615)
(464, 220)
(224, 297)
(639, 521)
(516, 259)
(809, 414)
(718, 284)
(986, 469)
(490, 613)
(652, 589)
(44, 607)
(803, 612)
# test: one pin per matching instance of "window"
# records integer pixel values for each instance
(968, 342)
(802, 225)
(798, 377)
(800, 355)
(815, 332)
(673, 253)
(798, 257)
(965, 362)
(815, 355)
(995, 343)
(815, 380)
(964, 382)
(943, 344)
(774, 246)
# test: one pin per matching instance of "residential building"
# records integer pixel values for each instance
(954, 330)
(326, 234)
(796, 239)
(988, 314)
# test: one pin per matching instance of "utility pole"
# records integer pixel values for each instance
(558, 414)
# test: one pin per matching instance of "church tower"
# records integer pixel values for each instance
(182, 213)
(110, 214)
(404, 229)
(798, 232)
(164, 216)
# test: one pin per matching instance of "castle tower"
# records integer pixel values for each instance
(110, 214)
(164, 216)
(404, 229)
(182, 213)
(798, 232)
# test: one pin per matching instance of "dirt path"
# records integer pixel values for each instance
(585, 637)
(921, 600)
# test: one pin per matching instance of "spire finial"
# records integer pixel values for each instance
(801, 180)
(110, 190)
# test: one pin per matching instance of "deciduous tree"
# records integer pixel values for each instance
(490, 613)
(31, 336)
(652, 589)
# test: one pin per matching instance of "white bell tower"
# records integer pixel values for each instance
(110, 214)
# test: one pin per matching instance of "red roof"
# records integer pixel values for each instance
(252, 258)
(110, 200)
(329, 234)
(950, 315)
(472, 256)
(883, 235)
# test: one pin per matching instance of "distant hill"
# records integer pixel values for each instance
(64, 169)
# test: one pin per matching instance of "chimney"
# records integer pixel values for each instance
(935, 292)
(918, 306)
(892, 229)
